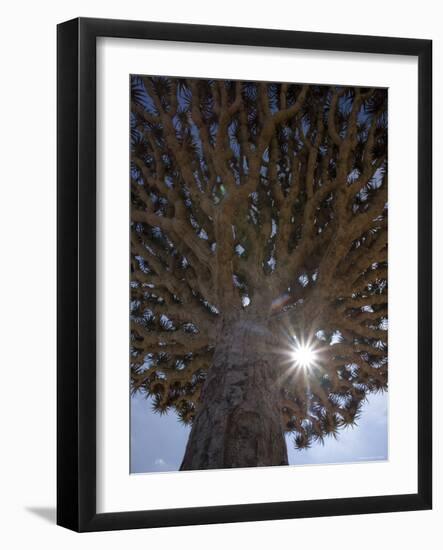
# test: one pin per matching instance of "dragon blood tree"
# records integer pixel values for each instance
(258, 238)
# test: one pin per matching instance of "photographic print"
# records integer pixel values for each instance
(259, 263)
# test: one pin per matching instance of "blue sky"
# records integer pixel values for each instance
(158, 442)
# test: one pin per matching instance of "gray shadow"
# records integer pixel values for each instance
(46, 513)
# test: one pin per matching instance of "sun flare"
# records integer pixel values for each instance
(303, 355)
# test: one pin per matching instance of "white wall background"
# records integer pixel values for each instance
(27, 289)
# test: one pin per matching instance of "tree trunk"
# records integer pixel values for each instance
(238, 423)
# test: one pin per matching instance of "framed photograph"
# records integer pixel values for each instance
(244, 274)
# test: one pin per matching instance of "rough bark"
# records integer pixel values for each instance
(238, 423)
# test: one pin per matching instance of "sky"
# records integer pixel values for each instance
(158, 442)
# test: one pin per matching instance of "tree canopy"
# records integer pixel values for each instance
(265, 201)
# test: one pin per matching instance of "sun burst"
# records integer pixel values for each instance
(304, 355)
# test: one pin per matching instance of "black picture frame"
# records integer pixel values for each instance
(76, 248)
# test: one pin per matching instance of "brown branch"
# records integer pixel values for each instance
(169, 341)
